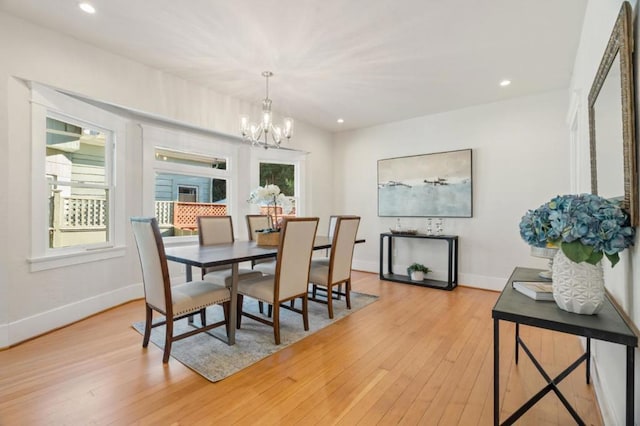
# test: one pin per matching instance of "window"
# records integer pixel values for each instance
(78, 173)
(185, 190)
(77, 208)
(188, 193)
(282, 175)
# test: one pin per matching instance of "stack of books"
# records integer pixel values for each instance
(537, 290)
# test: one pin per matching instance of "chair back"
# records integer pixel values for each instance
(332, 226)
(155, 273)
(256, 222)
(344, 239)
(215, 230)
(294, 256)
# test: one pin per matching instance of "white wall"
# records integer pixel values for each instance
(520, 157)
(32, 303)
(623, 281)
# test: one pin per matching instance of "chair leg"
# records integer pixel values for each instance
(225, 308)
(305, 312)
(168, 339)
(347, 292)
(330, 300)
(147, 326)
(261, 307)
(269, 311)
(239, 311)
(276, 322)
(203, 316)
(313, 291)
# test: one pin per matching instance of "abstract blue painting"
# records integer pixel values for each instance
(427, 185)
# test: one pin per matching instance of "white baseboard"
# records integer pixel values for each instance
(602, 396)
(4, 336)
(26, 328)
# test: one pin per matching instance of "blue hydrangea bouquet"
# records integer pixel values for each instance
(586, 227)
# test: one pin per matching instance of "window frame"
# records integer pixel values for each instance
(156, 138)
(47, 102)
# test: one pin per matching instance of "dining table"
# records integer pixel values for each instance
(230, 254)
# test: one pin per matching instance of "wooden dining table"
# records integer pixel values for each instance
(230, 254)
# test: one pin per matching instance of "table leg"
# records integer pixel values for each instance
(450, 266)
(517, 339)
(588, 366)
(234, 304)
(390, 255)
(496, 372)
(189, 277)
(380, 265)
(630, 380)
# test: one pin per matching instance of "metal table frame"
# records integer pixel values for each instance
(452, 265)
(608, 325)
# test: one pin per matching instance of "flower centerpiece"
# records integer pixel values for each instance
(585, 228)
(271, 197)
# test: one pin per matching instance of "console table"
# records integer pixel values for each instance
(607, 325)
(452, 265)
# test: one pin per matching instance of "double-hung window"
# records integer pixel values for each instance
(77, 207)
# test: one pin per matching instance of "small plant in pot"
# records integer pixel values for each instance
(416, 271)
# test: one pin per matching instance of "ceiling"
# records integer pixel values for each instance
(366, 61)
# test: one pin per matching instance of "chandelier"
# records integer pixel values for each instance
(258, 134)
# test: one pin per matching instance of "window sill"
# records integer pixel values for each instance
(43, 263)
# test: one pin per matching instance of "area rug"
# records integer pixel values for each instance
(215, 360)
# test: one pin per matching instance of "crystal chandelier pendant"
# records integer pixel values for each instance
(258, 134)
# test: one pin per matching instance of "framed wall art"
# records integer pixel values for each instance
(427, 185)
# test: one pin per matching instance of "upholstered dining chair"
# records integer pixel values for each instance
(174, 302)
(325, 274)
(256, 222)
(219, 230)
(333, 219)
(291, 278)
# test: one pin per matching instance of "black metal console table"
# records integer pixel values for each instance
(607, 325)
(452, 265)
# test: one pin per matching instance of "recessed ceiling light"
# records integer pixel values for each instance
(505, 83)
(87, 7)
(340, 120)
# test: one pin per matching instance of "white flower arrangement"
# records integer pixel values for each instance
(270, 196)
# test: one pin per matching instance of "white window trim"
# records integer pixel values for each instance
(44, 102)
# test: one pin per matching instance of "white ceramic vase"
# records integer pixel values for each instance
(577, 287)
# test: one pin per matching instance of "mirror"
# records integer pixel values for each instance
(612, 121)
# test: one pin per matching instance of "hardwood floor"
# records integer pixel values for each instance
(416, 356)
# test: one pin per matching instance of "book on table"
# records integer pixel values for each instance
(537, 290)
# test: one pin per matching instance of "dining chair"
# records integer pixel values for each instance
(333, 219)
(174, 302)
(325, 274)
(256, 222)
(291, 278)
(214, 230)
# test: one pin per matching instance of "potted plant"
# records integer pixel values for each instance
(416, 271)
(585, 228)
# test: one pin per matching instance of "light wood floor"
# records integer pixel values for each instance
(416, 356)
